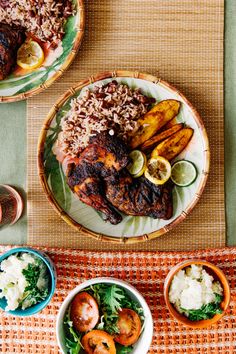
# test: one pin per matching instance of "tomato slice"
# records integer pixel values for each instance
(98, 342)
(84, 312)
(129, 325)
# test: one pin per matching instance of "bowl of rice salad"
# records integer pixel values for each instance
(56, 29)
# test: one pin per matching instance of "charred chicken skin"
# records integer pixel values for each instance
(99, 178)
(103, 157)
(11, 39)
(139, 196)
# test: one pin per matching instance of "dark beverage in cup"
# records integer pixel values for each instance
(11, 205)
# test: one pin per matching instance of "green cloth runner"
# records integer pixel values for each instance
(13, 140)
(13, 163)
(230, 120)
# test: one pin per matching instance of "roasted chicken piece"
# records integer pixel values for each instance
(90, 190)
(99, 178)
(139, 196)
(11, 39)
(104, 156)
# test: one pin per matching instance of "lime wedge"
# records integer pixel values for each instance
(183, 173)
(137, 164)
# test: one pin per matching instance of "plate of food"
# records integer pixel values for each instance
(38, 41)
(123, 156)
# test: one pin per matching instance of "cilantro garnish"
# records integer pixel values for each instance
(206, 311)
(33, 294)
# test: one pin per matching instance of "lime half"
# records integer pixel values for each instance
(183, 173)
(137, 164)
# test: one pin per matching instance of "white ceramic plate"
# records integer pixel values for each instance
(136, 228)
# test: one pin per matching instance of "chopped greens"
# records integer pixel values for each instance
(120, 349)
(206, 311)
(37, 289)
(73, 343)
(110, 299)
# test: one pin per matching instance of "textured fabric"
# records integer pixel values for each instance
(230, 122)
(13, 162)
(179, 41)
(147, 272)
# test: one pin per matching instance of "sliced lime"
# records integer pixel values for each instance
(183, 173)
(138, 162)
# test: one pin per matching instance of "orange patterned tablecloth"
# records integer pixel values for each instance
(144, 270)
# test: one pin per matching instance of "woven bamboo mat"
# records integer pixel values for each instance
(180, 41)
(147, 273)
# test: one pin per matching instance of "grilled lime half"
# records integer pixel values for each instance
(158, 170)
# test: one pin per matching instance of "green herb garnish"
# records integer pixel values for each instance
(120, 349)
(206, 311)
(110, 299)
(73, 340)
(34, 273)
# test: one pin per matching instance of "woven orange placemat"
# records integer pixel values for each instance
(146, 271)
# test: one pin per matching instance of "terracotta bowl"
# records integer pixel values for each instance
(217, 274)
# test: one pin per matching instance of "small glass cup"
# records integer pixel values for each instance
(11, 206)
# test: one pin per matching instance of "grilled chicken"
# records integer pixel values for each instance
(99, 178)
(11, 39)
(139, 196)
(104, 156)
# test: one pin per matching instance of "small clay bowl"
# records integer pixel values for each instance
(217, 275)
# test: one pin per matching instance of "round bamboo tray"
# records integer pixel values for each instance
(80, 32)
(56, 107)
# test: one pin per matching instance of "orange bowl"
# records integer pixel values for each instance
(217, 274)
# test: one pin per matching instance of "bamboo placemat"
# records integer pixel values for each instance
(147, 273)
(180, 41)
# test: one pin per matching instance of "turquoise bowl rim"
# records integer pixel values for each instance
(52, 271)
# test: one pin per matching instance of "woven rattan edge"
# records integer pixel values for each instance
(78, 86)
(65, 65)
